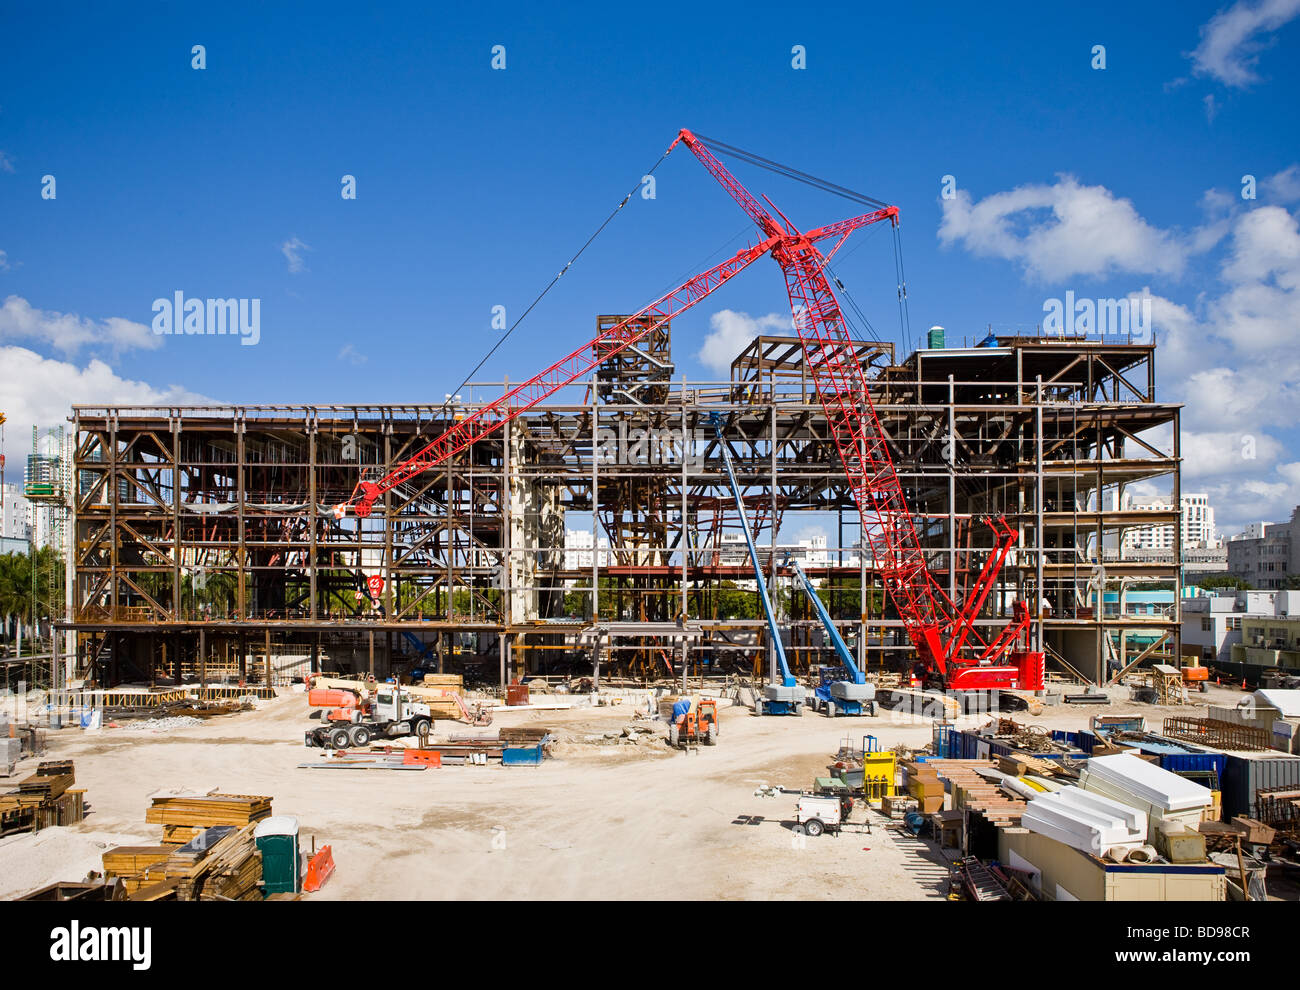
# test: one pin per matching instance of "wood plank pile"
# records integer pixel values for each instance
(1019, 764)
(522, 735)
(214, 862)
(136, 866)
(970, 790)
(43, 799)
(206, 811)
(221, 864)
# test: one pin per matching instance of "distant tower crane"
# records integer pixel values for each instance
(953, 653)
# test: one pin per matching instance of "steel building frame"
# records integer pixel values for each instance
(202, 533)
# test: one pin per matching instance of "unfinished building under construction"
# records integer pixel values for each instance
(593, 535)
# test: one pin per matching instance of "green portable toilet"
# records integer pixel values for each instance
(277, 840)
(934, 338)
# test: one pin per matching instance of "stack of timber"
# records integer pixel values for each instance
(184, 817)
(43, 799)
(136, 866)
(452, 682)
(523, 735)
(972, 791)
(219, 864)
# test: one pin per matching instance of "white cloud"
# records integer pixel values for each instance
(1231, 40)
(6, 163)
(292, 250)
(1284, 187)
(4, 262)
(1226, 452)
(69, 333)
(352, 355)
(1065, 229)
(731, 331)
(1261, 310)
(40, 391)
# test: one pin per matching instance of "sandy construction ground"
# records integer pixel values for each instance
(620, 821)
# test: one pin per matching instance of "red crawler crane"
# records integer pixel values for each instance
(947, 644)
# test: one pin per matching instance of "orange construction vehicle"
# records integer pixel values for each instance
(697, 725)
(1195, 675)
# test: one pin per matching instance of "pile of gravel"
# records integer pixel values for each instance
(165, 724)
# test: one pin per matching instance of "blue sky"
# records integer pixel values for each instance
(475, 185)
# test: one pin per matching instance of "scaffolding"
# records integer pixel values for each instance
(206, 529)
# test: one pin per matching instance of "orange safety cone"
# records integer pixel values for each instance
(1243, 683)
(319, 869)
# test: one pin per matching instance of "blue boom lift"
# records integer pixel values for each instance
(785, 698)
(844, 689)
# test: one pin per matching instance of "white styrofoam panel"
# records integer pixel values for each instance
(1153, 785)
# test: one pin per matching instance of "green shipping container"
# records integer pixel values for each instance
(277, 840)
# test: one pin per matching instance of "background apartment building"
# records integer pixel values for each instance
(1267, 560)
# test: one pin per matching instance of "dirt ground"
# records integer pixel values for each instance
(609, 822)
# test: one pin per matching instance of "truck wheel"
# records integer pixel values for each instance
(340, 739)
(814, 827)
(712, 738)
(360, 736)
(830, 709)
(420, 729)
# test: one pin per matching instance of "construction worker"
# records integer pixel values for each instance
(680, 708)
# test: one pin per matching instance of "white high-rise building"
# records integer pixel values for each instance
(1196, 523)
(15, 514)
(578, 546)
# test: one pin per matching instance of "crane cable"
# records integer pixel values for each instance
(790, 172)
(825, 185)
(560, 274)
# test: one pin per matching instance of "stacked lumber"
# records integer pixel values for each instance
(1019, 764)
(178, 835)
(136, 866)
(129, 861)
(970, 790)
(454, 682)
(223, 863)
(43, 799)
(207, 811)
(45, 787)
(522, 735)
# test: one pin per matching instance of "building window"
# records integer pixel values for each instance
(1207, 625)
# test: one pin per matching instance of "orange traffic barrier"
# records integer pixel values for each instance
(319, 869)
(422, 757)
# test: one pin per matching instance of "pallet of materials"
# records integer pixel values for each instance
(136, 865)
(46, 787)
(351, 760)
(43, 799)
(220, 864)
(208, 810)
